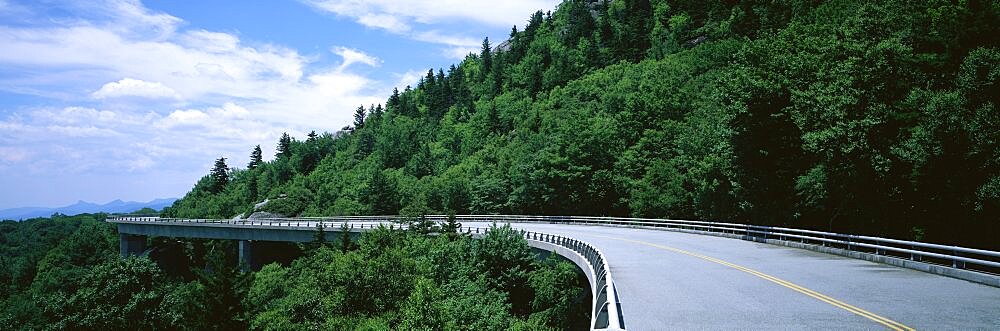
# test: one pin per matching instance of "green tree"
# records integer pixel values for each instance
(506, 260)
(224, 285)
(219, 175)
(119, 294)
(422, 309)
(380, 194)
(284, 146)
(486, 57)
(359, 117)
(255, 158)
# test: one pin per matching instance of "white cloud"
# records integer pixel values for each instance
(385, 22)
(142, 95)
(458, 46)
(213, 42)
(495, 13)
(192, 117)
(134, 87)
(352, 56)
(401, 16)
(133, 17)
(437, 37)
(410, 78)
(232, 111)
(186, 67)
(81, 131)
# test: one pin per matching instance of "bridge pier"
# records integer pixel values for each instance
(246, 257)
(131, 245)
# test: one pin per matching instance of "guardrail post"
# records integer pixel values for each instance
(914, 257)
(956, 263)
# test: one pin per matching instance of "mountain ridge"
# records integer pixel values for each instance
(83, 207)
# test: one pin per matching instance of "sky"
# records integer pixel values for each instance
(134, 100)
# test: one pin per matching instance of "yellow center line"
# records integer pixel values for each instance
(818, 296)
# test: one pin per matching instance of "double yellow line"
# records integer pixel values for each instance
(818, 296)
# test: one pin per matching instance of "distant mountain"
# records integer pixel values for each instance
(83, 207)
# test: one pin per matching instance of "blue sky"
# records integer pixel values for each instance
(108, 99)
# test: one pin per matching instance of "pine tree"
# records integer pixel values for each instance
(429, 80)
(393, 103)
(310, 155)
(220, 175)
(284, 146)
(407, 105)
(255, 158)
(486, 55)
(359, 117)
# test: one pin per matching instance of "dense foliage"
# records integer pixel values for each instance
(65, 273)
(851, 116)
(43, 262)
(405, 281)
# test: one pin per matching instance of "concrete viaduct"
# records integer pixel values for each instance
(651, 274)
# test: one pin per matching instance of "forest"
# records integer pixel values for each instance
(865, 117)
(64, 273)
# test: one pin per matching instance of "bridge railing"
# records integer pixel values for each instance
(607, 313)
(606, 306)
(953, 256)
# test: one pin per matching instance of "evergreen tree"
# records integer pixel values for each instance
(309, 154)
(486, 55)
(284, 146)
(381, 195)
(220, 175)
(407, 105)
(359, 117)
(255, 158)
(393, 102)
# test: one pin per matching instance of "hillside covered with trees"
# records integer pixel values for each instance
(851, 116)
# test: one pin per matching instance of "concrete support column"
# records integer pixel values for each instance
(245, 255)
(131, 245)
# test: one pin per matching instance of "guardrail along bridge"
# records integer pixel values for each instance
(668, 274)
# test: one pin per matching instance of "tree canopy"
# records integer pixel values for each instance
(849, 116)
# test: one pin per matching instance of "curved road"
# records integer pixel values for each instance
(679, 281)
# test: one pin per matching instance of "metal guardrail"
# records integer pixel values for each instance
(606, 306)
(955, 256)
(607, 310)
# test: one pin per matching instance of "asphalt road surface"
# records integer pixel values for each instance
(679, 281)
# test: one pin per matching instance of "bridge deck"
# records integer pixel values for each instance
(675, 280)
(672, 280)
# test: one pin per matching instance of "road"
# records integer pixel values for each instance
(680, 281)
